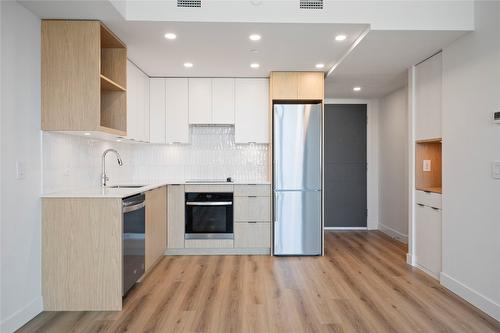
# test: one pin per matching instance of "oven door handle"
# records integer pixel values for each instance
(131, 208)
(209, 203)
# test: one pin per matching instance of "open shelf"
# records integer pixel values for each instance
(108, 84)
(430, 181)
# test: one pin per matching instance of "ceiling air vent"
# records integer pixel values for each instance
(188, 3)
(311, 4)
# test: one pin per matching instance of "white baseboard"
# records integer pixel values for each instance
(470, 295)
(22, 316)
(345, 228)
(410, 259)
(391, 232)
(215, 252)
(426, 271)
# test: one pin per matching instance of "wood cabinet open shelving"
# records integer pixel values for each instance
(84, 78)
(429, 181)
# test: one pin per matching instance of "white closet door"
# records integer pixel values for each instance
(223, 101)
(177, 128)
(428, 87)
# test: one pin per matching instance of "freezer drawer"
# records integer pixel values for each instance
(297, 223)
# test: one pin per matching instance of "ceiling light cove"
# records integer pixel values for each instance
(340, 38)
(170, 36)
(356, 88)
(319, 66)
(254, 65)
(188, 64)
(255, 37)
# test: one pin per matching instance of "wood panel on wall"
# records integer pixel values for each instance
(428, 180)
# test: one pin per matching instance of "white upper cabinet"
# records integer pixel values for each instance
(428, 78)
(223, 101)
(177, 125)
(137, 104)
(252, 110)
(200, 101)
(157, 109)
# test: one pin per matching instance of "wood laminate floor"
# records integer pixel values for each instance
(362, 284)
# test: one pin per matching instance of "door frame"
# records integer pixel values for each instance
(372, 179)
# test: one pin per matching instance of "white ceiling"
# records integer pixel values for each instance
(224, 49)
(380, 61)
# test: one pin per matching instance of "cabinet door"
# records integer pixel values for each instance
(145, 102)
(248, 235)
(252, 111)
(428, 238)
(310, 86)
(176, 224)
(157, 107)
(428, 77)
(177, 127)
(223, 101)
(132, 101)
(200, 101)
(285, 85)
(156, 225)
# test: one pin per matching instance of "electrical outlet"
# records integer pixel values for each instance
(495, 169)
(426, 165)
(20, 170)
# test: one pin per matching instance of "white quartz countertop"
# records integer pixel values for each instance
(107, 192)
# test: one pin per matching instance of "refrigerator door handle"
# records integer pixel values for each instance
(275, 207)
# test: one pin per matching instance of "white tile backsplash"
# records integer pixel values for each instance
(73, 161)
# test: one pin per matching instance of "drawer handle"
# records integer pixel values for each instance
(429, 192)
(421, 205)
(252, 196)
(252, 221)
(435, 208)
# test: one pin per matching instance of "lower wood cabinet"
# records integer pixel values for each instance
(156, 225)
(252, 234)
(252, 208)
(428, 239)
(176, 217)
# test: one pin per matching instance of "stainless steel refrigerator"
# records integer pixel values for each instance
(297, 178)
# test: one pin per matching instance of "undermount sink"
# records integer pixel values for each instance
(126, 186)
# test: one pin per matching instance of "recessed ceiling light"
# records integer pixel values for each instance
(254, 65)
(356, 88)
(170, 35)
(188, 64)
(320, 65)
(86, 133)
(340, 38)
(254, 37)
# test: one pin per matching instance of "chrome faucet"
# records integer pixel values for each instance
(105, 178)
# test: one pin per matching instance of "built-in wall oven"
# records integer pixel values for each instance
(209, 215)
(134, 227)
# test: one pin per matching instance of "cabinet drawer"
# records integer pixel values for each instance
(428, 199)
(209, 188)
(252, 209)
(252, 190)
(250, 234)
(428, 239)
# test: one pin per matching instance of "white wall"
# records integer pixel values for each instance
(20, 285)
(372, 136)
(471, 197)
(393, 164)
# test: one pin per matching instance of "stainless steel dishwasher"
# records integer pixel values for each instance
(134, 225)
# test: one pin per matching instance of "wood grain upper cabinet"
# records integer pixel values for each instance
(251, 112)
(176, 224)
(428, 79)
(297, 85)
(84, 78)
(157, 109)
(137, 104)
(223, 101)
(311, 85)
(176, 101)
(156, 225)
(200, 100)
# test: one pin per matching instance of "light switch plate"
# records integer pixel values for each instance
(20, 170)
(495, 169)
(426, 165)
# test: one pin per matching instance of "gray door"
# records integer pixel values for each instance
(345, 165)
